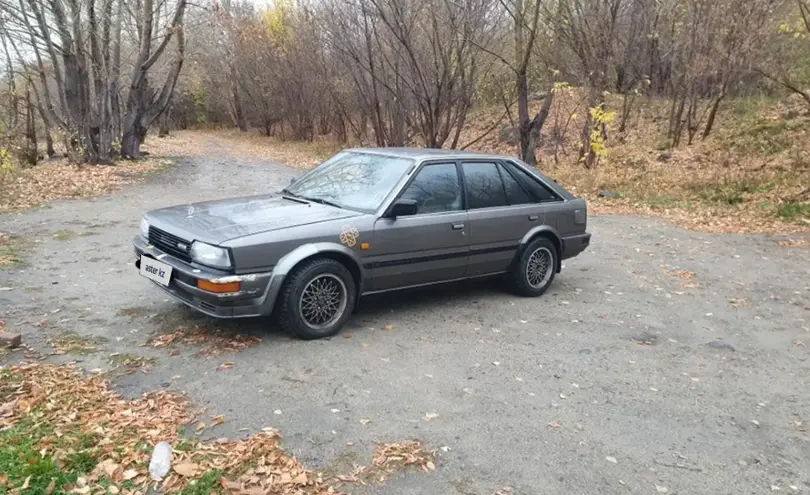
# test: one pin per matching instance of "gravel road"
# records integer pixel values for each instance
(661, 361)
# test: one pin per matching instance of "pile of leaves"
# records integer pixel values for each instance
(58, 179)
(67, 433)
(216, 341)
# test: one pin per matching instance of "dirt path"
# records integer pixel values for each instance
(659, 358)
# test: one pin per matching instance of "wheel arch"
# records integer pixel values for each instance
(337, 252)
(545, 231)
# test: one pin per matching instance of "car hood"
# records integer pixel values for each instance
(218, 221)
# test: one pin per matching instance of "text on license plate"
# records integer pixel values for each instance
(156, 270)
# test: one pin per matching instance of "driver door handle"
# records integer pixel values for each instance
(458, 226)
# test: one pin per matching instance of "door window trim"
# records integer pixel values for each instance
(496, 162)
(415, 174)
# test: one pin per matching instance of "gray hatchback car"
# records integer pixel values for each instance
(364, 221)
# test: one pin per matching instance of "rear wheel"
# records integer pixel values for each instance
(534, 271)
(317, 300)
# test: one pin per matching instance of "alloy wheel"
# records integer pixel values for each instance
(323, 301)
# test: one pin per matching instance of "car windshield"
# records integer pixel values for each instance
(351, 180)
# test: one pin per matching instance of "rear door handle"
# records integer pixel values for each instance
(458, 226)
(532, 218)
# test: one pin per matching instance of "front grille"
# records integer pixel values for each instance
(168, 243)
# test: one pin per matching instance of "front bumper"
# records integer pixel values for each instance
(574, 245)
(256, 297)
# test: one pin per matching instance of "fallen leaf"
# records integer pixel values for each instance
(229, 485)
(186, 469)
(429, 416)
(200, 426)
(50, 487)
(225, 366)
(611, 459)
(430, 466)
(217, 420)
(113, 490)
(661, 489)
(3, 480)
(129, 474)
(26, 483)
(554, 424)
(388, 327)
(365, 421)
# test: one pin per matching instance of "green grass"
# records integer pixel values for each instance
(64, 235)
(765, 137)
(75, 344)
(130, 360)
(793, 211)
(729, 193)
(11, 250)
(205, 485)
(21, 458)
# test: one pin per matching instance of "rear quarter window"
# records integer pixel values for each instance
(540, 192)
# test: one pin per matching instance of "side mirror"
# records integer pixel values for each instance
(403, 208)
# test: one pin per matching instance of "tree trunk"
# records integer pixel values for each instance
(163, 125)
(586, 153)
(30, 153)
(530, 134)
(713, 114)
(131, 141)
(143, 108)
(47, 125)
(239, 114)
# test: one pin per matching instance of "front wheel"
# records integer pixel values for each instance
(534, 271)
(317, 299)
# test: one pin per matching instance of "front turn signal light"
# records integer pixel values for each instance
(216, 288)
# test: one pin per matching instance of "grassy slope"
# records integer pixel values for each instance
(746, 177)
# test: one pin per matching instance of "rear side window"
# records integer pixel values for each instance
(484, 186)
(516, 193)
(539, 191)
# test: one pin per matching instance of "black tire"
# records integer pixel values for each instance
(519, 278)
(290, 314)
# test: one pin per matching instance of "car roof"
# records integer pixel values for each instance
(425, 153)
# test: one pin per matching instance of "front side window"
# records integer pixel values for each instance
(484, 186)
(352, 180)
(435, 189)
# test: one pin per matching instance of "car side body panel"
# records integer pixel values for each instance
(265, 250)
(495, 235)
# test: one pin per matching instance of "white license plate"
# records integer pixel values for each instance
(156, 270)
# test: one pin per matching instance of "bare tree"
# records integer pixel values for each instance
(144, 104)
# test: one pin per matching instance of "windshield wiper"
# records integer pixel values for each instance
(293, 197)
(287, 192)
(321, 201)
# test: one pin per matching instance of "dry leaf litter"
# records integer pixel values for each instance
(60, 396)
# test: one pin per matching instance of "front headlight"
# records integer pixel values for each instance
(145, 228)
(206, 254)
